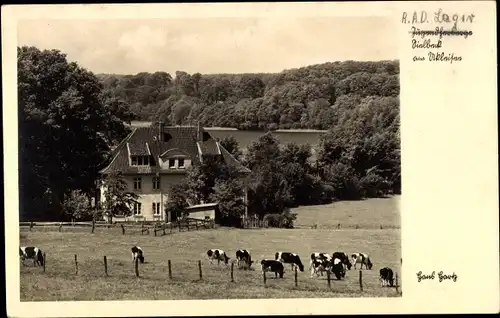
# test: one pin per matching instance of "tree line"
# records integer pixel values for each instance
(70, 118)
(312, 97)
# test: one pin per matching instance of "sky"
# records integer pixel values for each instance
(212, 45)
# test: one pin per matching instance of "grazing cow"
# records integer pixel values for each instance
(386, 276)
(363, 259)
(245, 257)
(316, 262)
(321, 256)
(319, 266)
(337, 268)
(270, 265)
(289, 258)
(217, 254)
(344, 258)
(137, 253)
(31, 252)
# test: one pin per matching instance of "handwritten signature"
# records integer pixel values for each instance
(440, 17)
(441, 276)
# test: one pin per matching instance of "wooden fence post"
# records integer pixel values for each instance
(136, 266)
(123, 229)
(93, 225)
(142, 228)
(169, 269)
(296, 281)
(44, 260)
(397, 291)
(199, 268)
(76, 265)
(264, 277)
(31, 226)
(361, 280)
(328, 279)
(163, 227)
(106, 265)
(232, 275)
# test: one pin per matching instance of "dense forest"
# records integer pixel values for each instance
(313, 97)
(70, 119)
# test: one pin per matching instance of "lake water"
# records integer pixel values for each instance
(245, 137)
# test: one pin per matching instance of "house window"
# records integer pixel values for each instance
(140, 160)
(171, 163)
(181, 163)
(156, 208)
(137, 183)
(156, 183)
(137, 208)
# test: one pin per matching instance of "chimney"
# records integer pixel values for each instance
(161, 125)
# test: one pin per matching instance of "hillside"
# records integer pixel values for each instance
(312, 97)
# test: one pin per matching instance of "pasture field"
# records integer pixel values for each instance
(184, 249)
(366, 214)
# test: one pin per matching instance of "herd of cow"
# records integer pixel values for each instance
(337, 263)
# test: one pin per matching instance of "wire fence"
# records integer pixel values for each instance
(142, 228)
(199, 271)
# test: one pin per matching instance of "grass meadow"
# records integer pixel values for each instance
(184, 249)
(365, 214)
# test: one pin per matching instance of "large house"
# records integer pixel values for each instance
(155, 158)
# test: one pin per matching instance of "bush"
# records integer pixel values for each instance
(343, 179)
(373, 185)
(283, 220)
(76, 206)
(322, 193)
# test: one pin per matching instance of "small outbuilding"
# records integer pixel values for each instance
(206, 211)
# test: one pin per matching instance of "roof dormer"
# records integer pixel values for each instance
(175, 159)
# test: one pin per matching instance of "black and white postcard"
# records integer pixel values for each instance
(263, 158)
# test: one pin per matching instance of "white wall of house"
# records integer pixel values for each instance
(149, 195)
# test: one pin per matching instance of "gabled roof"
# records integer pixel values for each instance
(230, 160)
(144, 141)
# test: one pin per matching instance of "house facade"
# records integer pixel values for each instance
(154, 159)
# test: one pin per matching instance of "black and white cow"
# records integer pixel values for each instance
(137, 253)
(319, 263)
(31, 252)
(344, 258)
(319, 266)
(337, 268)
(245, 257)
(271, 265)
(289, 258)
(217, 254)
(386, 276)
(363, 259)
